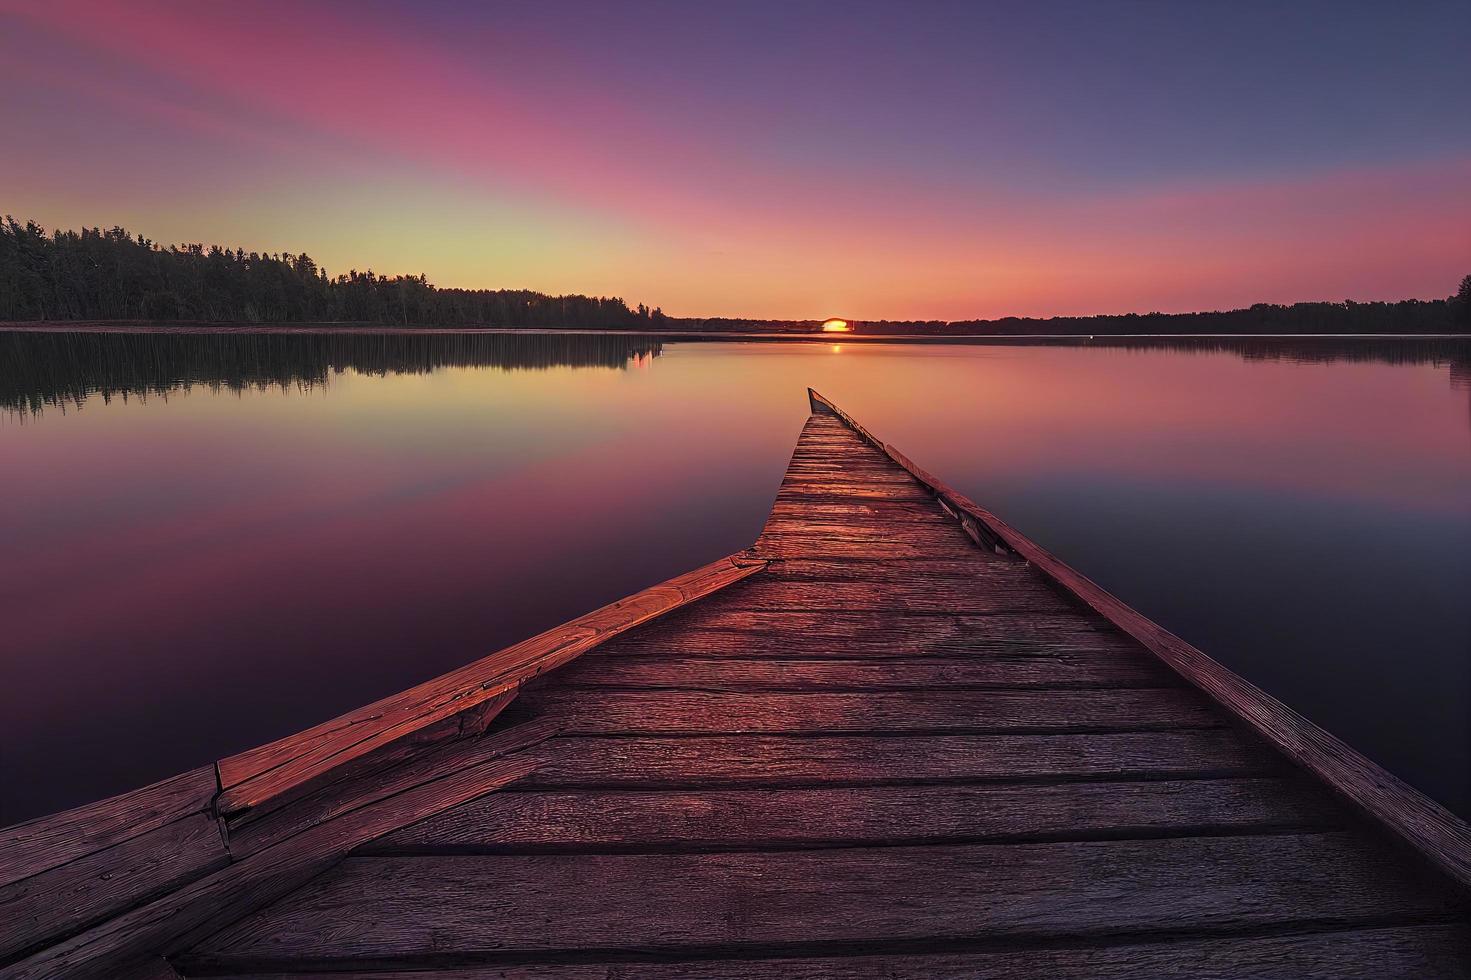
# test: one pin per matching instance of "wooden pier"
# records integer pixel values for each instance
(893, 738)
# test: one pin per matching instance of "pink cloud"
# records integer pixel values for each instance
(729, 232)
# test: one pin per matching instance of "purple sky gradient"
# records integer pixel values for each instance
(795, 159)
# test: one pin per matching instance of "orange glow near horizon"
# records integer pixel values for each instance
(401, 163)
(836, 326)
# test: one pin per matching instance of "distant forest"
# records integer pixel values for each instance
(98, 274)
(1410, 316)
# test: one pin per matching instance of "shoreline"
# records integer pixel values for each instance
(709, 336)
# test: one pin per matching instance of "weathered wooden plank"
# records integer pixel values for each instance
(785, 760)
(979, 568)
(719, 631)
(1428, 952)
(294, 764)
(763, 819)
(33, 846)
(181, 917)
(794, 545)
(357, 768)
(818, 449)
(842, 481)
(70, 897)
(848, 495)
(875, 674)
(584, 711)
(894, 512)
(822, 471)
(825, 455)
(858, 488)
(868, 530)
(339, 798)
(954, 596)
(412, 906)
(1439, 835)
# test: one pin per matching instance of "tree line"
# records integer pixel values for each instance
(97, 274)
(1409, 316)
(110, 274)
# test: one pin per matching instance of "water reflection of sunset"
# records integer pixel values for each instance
(362, 510)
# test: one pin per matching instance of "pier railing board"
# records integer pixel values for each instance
(70, 897)
(184, 915)
(280, 770)
(63, 873)
(1409, 815)
(33, 846)
(83, 890)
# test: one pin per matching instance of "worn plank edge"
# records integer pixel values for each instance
(305, 758)
(1407, 814)
(32, 852)
(175, 920)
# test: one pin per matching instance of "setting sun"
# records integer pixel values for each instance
(835, 326)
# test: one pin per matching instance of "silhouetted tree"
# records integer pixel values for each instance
(110, 275)
(1410, 316)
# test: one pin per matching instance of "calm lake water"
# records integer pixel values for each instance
(212, 541)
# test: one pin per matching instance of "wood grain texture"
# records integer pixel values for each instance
(68, 898)
(202, 906)
(33, 846)
(722, 630)
(787, 760)
(1432, 952)
(412, 906)
(1069, 670)
(1424, 825)
(763, 819)
(782, 544)
(891, 512)
(251, 778)
(580, 711)
(344, 797)
(958, 596)
(987, 572)
(855, 488)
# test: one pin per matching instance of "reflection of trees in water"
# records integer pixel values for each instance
(1440, 352)
(59, 369)
(40, 370)
(1454, 354)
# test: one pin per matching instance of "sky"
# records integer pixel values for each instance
(792, 159)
